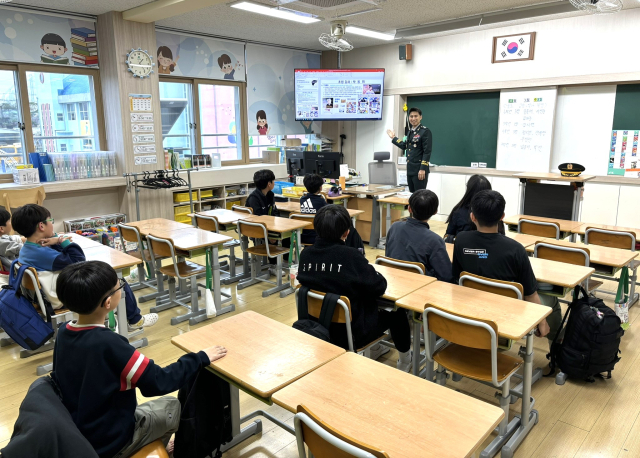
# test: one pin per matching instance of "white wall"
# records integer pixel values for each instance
(569, 47)
(371, 137)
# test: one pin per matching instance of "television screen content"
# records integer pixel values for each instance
(339, 95)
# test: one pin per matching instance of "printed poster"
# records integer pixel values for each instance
(270, 89)
(623, 154)
(185, 55)
(54, 40)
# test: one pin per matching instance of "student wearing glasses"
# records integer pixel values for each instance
(49, 253)
(98, 371)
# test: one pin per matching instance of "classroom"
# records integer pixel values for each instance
(319, 228)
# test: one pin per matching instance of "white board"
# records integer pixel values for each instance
(525, 129)
(582, 133)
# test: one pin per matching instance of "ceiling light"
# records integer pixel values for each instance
(274, 12)
(369, 33)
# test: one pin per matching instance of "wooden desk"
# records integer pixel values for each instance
(515, 319)
(225, 217)
(566, 226)
(400, 282)
(81, 241)
(599, 255)
(191, 242)
(263, 356)
(403, 415)
(554, 177)
(146, 226)
(527, 240)
(389, 201)
(121, 262)
(343, 198)
(294, 207)
(373, 192)
(278, 228)
(582, 228)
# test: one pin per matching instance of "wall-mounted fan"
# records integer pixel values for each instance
(336, 40)
(598, 6)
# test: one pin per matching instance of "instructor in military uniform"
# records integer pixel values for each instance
(418, 150)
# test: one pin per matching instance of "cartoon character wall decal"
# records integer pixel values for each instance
(53, 47)
(263, 127)
(226, 67)
(166, 64)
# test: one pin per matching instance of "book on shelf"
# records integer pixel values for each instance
(83, 52)
(82, 43)
(83, 32)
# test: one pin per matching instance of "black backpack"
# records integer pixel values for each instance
(205, 419)
(591, 340)
(320, 328)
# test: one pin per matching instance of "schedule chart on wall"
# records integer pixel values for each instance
(333, 95)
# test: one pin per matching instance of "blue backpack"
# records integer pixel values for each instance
(19, 318)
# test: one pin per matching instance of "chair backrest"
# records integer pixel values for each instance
(409, 266)
(161, 247)
(241, 209)
(383, 173)
(207, 223)
(342, 314)
(326, 442)
(130, 233)
(31, 283)
(155, 449)
(503, 288)
(568, 255)
(253, 230)
(307, 218)
(539, 228)
(14, 198)
(612, 239)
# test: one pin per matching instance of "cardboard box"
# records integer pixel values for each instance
(292, 142)
(26, 176)
(271, 157)
(359, 203)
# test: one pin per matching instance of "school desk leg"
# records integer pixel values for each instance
(238, 434)
(246, 268)
(123, 324)
(528, 417)
(523, 185)
(375, 221)
(633, 296)
(159, 284)
(416, 349)
(217, 293)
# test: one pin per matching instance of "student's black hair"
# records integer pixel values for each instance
(475, 184)
(313, 182)
(331, 222)
(263, 115)
(224, 59)
(488, 207)
(25, 219)
(53, 39)
(4, 217)
(418, 110)
(83, 286)
(262, 178)
(424, 204)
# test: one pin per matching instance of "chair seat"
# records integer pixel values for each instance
(137, 254)
(185, 269)
(261, 250)
(371, 343)
(594, 284)
(476, 364)
(155, 449)
(56, 312)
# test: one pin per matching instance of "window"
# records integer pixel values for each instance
(220, 127)
(50, 93)
(60, 117)
(259, 143)
(177, 117)
(11, 136)
(63, 147)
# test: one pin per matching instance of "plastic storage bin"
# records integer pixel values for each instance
(280, 185)
(182, 197)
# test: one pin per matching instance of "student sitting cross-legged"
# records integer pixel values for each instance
(413, 240)
(50, 253)
(329, 266)
(487, 253)
(97, 370)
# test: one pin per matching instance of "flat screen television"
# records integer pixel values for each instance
(338, 95)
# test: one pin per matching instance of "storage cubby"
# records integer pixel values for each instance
(210, 198)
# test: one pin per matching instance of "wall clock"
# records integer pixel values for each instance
(140, 63)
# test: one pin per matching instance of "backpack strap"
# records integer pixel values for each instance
(303, 307)
(328, 307)
(553, 352)
(15, 279)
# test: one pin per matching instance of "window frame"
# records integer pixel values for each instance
(96, 86)
(242, 91)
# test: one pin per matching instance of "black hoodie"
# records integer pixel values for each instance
(261, 204)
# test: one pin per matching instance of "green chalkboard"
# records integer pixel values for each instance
(626, 114)
(464, 126)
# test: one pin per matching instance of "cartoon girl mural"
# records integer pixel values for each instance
(263, 127)
(166, 64)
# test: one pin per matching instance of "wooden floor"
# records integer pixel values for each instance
(576, 420)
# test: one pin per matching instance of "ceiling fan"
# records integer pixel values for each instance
(598, 6)
(335, 40)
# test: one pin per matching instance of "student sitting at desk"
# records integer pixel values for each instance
(412, 240)
(486, 253)
(10, 245)
(313, 201)
(459, 219)
(97, 371)
(50, 253)
(329, 266)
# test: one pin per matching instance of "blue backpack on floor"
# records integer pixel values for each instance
(19, 318)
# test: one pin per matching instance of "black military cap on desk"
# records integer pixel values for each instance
(570, 169)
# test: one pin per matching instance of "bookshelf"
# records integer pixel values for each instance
(210, 198)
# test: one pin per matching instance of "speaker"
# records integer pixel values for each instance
(406, 52)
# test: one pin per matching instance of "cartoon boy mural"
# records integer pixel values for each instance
(263, 127)
(54, 47)
(226, 67)
(166, 64)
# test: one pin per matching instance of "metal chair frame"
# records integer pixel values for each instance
(394, 263)
(230, 245)
(540, 223)
(141, 283)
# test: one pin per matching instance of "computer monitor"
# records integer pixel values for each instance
(325, 164)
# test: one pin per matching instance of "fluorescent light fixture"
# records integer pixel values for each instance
(274, 12)
(369, 33)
